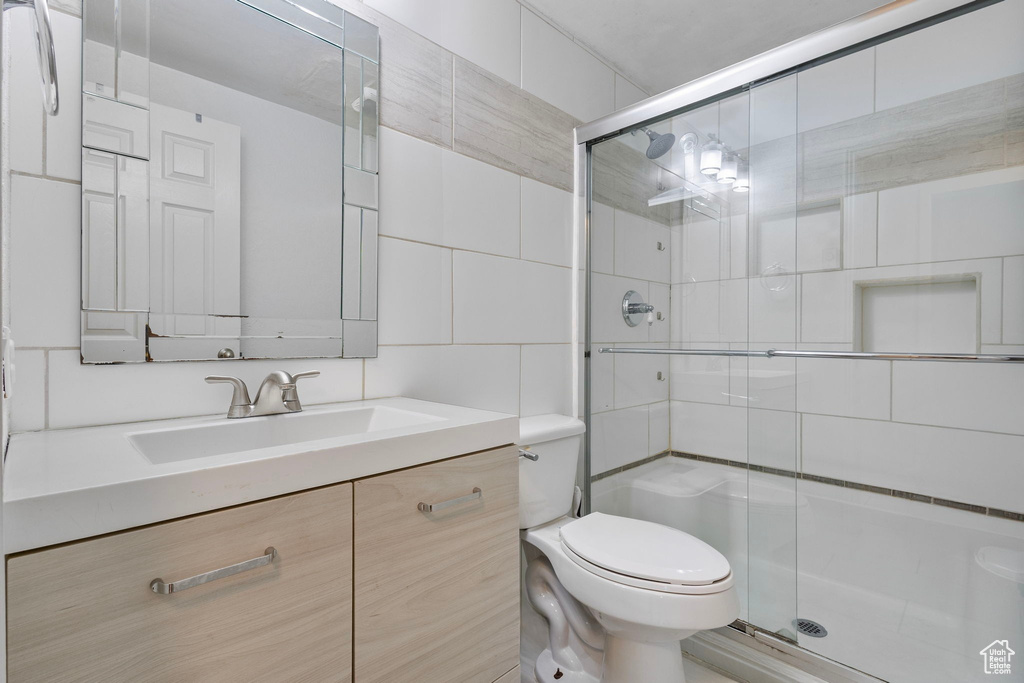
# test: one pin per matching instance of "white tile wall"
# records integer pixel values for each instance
(608, 325)
(915, 458)
(636, 248)
(25, 113)
(773, 110)
(636, 379)
(712, 430)
(480, 206)
(499, 300)
(852, 388)
(45, 262)
(410, 188)
(976, 48)
(964, 395)
(28, 401)
(860, 230)
(486, 33)
(561, 72)
(618, 438)
(64, 132)
(414, 289)
(836, 91)
(1013, 300)
(658, 428)
(971, 216)
(773, 438)
(547, 227)
(703, 379)
(81, 395)
(602, 238)
(485, 377)
(546, 379)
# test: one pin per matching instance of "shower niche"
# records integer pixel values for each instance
(933, 315)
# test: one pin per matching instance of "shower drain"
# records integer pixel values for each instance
(810, 628)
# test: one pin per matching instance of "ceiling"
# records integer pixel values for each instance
(659, 44)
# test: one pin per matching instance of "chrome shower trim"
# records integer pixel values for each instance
(866, 27)
(846, 355)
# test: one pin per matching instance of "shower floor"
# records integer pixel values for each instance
(898, 584)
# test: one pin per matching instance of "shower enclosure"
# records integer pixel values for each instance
(803, 335)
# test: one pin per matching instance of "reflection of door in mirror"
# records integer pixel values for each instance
(195, 253)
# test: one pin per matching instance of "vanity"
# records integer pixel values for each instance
(368, 541)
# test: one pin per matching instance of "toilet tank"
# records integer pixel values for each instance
(546, 485)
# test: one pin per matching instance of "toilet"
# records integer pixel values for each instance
(618, 594)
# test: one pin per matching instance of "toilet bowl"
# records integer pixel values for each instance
(618, 594)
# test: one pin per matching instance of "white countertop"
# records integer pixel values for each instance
(66, 485)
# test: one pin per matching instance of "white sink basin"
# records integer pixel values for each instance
(63, 485)
(253, 433)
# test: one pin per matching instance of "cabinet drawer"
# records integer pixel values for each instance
(86, 611)
(437, 593)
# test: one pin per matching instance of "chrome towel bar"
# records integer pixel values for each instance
(851, 355)
(159, 586)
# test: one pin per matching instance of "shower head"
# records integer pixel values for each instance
(660, 145)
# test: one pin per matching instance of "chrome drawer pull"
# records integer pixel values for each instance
(162, 588)
(434, 507)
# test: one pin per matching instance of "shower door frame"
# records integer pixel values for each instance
(871, 28)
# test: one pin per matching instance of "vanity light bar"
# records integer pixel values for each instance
(851, 355)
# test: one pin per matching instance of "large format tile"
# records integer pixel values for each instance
(637, 379)
(64, 132)
(500, 300)
(484, 33)
(508, 127)
(624, 178)
(1013, 300)
(641, 248)
(712, 430)
(545, 384)
(618, 437)
(25, 110)
(414, 293)
(972, 216)
(547, 226)
(561, 72)
(485, 377)
(926, 460)
(480, 205)
(28, 399)
(82, 395)
(965, 395)
(850, 388)
(608, 324)
(45, 262)
(602, 238)
(410, 188)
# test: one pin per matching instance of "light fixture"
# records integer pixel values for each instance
(742, 183)
(711, 158)
(727, 173)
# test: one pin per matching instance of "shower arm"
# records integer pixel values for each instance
(849, 355)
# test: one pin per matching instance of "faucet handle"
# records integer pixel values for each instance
(240, 397)
(303, 375)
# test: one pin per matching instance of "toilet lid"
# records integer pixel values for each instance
(645, 550)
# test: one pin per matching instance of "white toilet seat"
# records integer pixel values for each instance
(648, 584)
(645, 555)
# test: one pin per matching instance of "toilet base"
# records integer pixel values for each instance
(546, 671)
(629, 661)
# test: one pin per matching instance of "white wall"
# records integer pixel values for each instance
(475, 260)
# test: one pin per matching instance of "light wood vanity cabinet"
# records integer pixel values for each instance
(86, 612)
(435, 594)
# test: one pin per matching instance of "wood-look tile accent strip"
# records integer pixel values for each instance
(842, 483)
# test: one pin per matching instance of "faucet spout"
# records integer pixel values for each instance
(277, 394)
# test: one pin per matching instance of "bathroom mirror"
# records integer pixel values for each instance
(229, 180)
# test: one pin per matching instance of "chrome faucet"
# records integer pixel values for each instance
(276, 395)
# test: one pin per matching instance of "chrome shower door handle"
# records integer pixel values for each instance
(166, 588)
(434, 507)
(45, 51)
